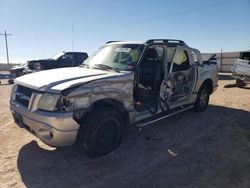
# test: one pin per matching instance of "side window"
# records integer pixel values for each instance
(180, 61)
(78, 57)
(160, 52)
(68, 56)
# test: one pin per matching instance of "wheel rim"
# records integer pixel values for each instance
(107, 135)
(203, 98)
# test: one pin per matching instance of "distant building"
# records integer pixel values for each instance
(227, 59)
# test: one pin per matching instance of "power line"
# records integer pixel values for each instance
(172, 14)
(57, 17)
(6, 45)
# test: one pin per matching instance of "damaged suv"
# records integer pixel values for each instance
(123, 83)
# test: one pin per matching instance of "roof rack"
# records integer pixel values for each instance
(112, 41)
(170, 41)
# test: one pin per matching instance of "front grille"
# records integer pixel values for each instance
(23, 95)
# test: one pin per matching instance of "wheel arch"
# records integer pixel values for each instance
(107, 102)
(209, 84)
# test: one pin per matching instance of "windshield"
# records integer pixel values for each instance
(57, 56)
(123, 57)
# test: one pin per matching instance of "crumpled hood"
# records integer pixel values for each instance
(56, 80)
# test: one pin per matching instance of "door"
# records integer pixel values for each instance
(180, 76)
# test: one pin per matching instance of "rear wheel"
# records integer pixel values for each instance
(202, 99)
(101, 131)
(240, 83)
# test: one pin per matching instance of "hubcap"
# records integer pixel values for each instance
(107, 134)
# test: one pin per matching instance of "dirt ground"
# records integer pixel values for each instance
(208, 149)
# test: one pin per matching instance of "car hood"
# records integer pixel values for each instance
(56, 80)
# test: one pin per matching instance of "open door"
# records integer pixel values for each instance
(150, 76)
(180, 76)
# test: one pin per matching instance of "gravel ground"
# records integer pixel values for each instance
(208, 149)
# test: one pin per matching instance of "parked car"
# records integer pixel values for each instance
(241, 72)
(122, 84)
(63, 59)
(18, 70)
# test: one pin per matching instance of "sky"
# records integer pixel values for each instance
(43, 28)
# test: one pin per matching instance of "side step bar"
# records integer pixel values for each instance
(159, 117)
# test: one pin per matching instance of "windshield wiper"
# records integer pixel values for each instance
(106, 67)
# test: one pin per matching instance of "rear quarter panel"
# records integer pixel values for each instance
(206, 72)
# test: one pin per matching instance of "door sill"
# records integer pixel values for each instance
(162, 115)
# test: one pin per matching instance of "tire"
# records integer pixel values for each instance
(202, 99)
(11, 81)
(240, 83)
(101, 131)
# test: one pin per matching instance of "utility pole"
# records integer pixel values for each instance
(221, 60)
(6, 45)
(72, 40)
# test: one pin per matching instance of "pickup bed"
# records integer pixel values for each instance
(122, 84)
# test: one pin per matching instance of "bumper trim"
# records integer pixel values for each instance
(46, 124)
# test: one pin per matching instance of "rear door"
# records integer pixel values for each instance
(180, 77)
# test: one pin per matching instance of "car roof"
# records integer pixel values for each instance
(150, 42)
(75, 52)
(125, 42)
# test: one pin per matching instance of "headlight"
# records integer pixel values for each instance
(48, 102)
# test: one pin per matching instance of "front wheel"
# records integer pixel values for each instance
(202, 99)
(101, 131)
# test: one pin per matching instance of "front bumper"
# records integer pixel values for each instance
(55, 129)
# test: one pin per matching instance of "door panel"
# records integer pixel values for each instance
(180, 77)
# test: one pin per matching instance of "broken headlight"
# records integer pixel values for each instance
(67, 104)
(48, 102)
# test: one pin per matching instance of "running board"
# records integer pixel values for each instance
(151, 120)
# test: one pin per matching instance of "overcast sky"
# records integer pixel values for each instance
(42, 28)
